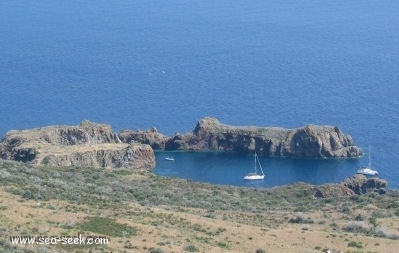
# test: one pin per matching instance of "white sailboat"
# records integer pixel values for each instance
(254, 175)
(367, 170)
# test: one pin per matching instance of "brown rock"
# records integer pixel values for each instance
(88, 144)
(360, 184)
(309, 141)
(357, 184)
(105, 156)
(86, 133)
(151, 137)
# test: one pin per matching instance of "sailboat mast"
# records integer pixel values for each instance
(260, 166)
(369, 158)
(255, 163)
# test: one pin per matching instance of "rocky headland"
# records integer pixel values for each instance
(96, 145)
(311, 141)
(85, 145)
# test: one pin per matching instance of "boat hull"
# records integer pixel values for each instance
(367, 172)
(254, 177)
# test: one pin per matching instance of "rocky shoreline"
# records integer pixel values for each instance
(96, 145)
(85, 145)
(311, 141)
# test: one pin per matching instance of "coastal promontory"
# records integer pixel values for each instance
(96, 145)
(310, 141)
(85, 145)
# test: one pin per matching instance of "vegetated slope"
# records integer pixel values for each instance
(174, 215)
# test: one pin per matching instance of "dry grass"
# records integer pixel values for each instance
(177, 215)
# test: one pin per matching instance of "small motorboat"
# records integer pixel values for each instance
(169, 158)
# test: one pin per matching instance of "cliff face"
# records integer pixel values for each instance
(88, 144)
(360, 184)
(92, 144)
(151, 137)
(86, 133)
(105, 156)
(355, 185)
(309, 141)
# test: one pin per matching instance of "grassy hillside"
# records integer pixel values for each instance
(141, 212)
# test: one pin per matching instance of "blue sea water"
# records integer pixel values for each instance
(138, 64)
(230, 168)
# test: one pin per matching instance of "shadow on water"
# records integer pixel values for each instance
(230, 168)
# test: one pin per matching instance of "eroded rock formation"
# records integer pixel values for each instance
(309, 141)
(92, 144)
(88, 144)
(357, 184)
(151, 137)
(360, 184)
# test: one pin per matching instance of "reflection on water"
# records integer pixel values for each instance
(230, 168)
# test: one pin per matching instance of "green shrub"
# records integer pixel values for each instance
(223, 245)
(300, 220)
(359, 217)
(355, 244)
(191, 248)
(122, 172)
(107, 226)
(152, 250)
(46, 160)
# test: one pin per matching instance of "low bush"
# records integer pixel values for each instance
(107, 226)
(191, 248)
(260, 251)
(356, 227)
(358, 245)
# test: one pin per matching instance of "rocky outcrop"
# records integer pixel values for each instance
(93, 144)
(86, 133)
(151, 137)
(310, 141)
(88, 144)
(13, 147)
(357, 184)
(105, 156)
(360, 184)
